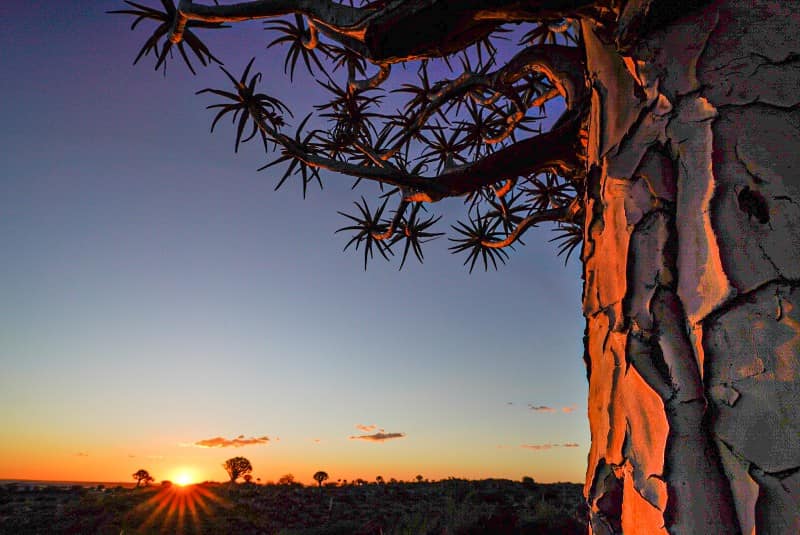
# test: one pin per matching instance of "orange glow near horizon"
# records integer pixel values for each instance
(184, 477)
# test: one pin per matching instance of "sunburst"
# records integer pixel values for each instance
(174, 506)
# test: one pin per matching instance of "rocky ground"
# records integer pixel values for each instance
(450, 507)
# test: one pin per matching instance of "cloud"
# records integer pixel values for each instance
(537, 447)
(317, 441)
(238, 442)
(378, 437)
(81, 454)
(366, 428)
(549, 446)
(547, 408)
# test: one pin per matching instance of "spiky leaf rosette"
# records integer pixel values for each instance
(247, 104)
(367, 225)
(414, 232)
(568, 237)
(476, 233)
(297, 166)
(159, 44)
(298, 39)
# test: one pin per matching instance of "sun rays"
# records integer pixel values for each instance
(180, 508)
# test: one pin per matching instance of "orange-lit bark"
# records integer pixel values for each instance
(692, 268)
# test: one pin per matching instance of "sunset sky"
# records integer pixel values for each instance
(163, 308)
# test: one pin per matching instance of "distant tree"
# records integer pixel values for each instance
(247, 478)
(142, 475)
(286, 479)
(419, 478)
(379, 480)
(528, 481)
(320, 476)
(237, 467)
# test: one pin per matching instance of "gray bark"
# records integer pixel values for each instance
(692, 273)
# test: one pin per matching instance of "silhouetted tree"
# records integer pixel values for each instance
(673, 167)
(142, 476)
(286, 479)
(237, 467)
(247, 478)
(419, 478)
(320, 476)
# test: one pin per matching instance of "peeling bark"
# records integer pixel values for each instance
(692, 270)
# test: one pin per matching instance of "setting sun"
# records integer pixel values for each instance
(184, 478)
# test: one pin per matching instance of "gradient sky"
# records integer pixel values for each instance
(156, 292)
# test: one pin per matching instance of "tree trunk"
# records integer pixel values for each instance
(692, 272)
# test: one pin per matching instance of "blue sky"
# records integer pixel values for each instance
(158, 292)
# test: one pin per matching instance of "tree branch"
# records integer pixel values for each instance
(397, 31)
(330, 13)
(505, 189)
(370, 83)
(562, 65)
(398, 216)
(310, 42)
(553, 214)
(552, 150)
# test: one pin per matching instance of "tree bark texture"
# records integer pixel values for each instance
(692, 273)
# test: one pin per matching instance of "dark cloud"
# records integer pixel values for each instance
(366, 428)
(378, 437)
(238, 442)
(549, 446)
(541, 408)
(81, 454)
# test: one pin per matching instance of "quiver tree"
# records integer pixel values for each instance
(673, 165)
(237, 467)
(320, 476)
(142, 477)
